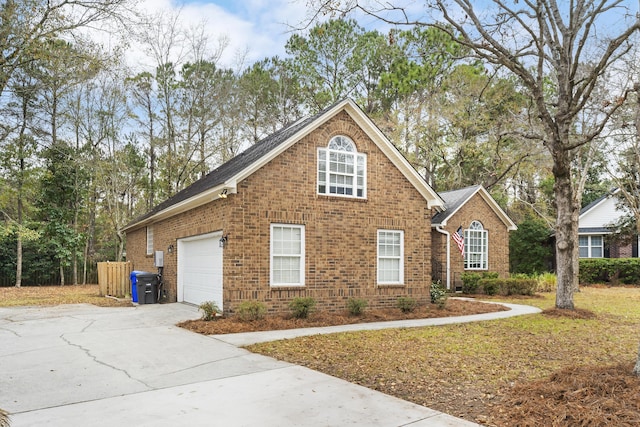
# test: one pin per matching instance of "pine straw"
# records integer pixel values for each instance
(230, 325)
(574, 396)
(576, 313)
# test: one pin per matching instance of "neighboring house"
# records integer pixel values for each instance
(326, 208)
(476, 216)
(594, 228)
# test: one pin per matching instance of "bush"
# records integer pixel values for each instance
(530, 248)
(209, 310)
(610, 270)
(438, 294)
(470, 280)
(406, 304)
(511, 286)
(547, 282)
(356, 306)
(302, 307)
(251, 310)
(490, 286)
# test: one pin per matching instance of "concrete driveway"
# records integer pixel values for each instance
(81, 365)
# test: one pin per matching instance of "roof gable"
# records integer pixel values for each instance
(229, 174)
(600, 213)
(454, 200)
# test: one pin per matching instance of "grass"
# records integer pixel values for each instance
(55, 295)
(468, 370)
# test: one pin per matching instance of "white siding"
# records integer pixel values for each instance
(601, 215)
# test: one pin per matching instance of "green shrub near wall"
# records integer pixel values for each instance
(470, 280)
(517, 286)
(613, 271)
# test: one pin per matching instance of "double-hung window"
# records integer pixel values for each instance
(287, 255)
(591, 246)
(342, 171)
(390, 257)
(149, 240)
(476, 247)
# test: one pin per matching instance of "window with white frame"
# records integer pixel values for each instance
(476, 247)
(591, 246)
(342, 171)
(149, 240)
(390, 257)
(287, 255)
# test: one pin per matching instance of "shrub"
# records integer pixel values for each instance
(547, 282)
(438, 294)
(356, 306)
(490, 286)
(610, 270)
(530, 248)
(209, 310)
(470, 280)
(511, 286)
(406, 304)
(251, 310)
(302, 307)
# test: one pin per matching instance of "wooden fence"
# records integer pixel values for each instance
(113, 278)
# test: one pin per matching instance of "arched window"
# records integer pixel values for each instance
(342, 171)
(476, 247)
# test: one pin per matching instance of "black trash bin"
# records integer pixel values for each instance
(147, 288)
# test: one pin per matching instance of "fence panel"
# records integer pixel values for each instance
(113, 278)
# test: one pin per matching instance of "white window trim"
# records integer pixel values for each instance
(149, 234)
(401, 258)
(467, 253)
(327, 174)
(302, 256)
(591, 246)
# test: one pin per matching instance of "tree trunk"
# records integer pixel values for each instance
(566, 230)
(636, 369)
(61, 275)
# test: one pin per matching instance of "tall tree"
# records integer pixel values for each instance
(26, 24)
(536, 41)
(326, 61)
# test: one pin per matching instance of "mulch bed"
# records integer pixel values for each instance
(575, 396)
(229, 325)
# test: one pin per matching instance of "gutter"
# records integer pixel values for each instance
(446, 233)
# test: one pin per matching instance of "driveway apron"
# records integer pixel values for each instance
(81, 365)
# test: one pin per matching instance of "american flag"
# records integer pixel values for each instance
(459, 239)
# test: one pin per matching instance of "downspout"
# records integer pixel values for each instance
(446, 233)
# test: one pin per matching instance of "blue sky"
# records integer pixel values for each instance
(254, 29)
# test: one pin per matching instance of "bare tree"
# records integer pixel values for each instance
(546, 45)
(25, 24)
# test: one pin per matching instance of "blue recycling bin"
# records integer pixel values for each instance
(134, 288)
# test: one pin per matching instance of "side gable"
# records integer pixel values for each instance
(456, 199)
(226, 177)
(595, 217)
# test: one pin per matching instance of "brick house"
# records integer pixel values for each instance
(484, 226)
(326, 208)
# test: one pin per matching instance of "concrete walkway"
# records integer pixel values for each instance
(81, 365)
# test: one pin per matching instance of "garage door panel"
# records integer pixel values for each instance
(200, 269)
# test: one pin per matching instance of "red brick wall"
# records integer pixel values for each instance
(340, 233)
(476, 209)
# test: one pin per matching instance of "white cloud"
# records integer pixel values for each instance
(259, 28)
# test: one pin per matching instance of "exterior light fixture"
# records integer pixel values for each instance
(223, 194)
(170, 249)
(223, 241)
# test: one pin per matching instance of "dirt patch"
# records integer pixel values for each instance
(575, 396)
(577, 313)
(229, 325)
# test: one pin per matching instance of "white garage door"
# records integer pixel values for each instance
(200, 269)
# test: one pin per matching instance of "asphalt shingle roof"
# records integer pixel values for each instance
(229, 169)
(452, 202)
